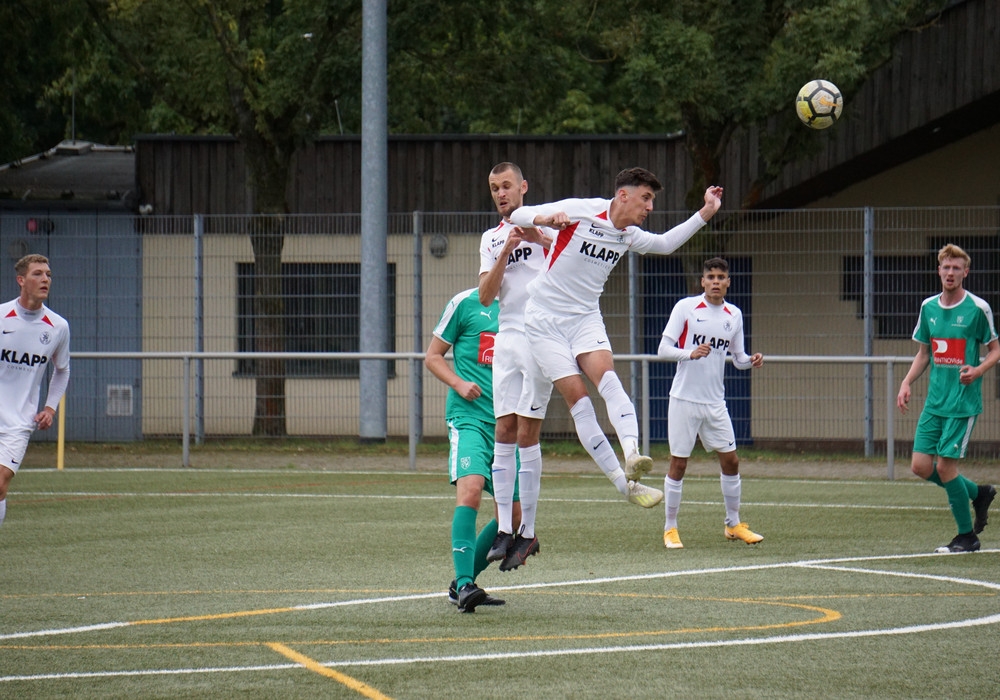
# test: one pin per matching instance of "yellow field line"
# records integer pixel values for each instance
(315, 666)
(215, 616)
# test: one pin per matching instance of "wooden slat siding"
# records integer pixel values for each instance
(201, 176)
(306, 193)
(991, 53)
(325, 186)
(216, 189)
(970, 74)
(166, 178)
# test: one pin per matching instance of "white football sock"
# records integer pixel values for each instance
(3, 510)
(529, 482)
(596, 443)
(672, 500)
(621, 412)
(731, 493)
(504, 474)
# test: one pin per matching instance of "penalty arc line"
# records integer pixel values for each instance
(818, 564)
(815, 563)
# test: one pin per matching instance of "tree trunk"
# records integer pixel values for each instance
(267, 238)
(269, 165)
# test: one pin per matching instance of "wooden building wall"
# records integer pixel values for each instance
(942, 84)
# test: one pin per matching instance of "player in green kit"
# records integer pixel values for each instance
(468, 328)
(950, 330)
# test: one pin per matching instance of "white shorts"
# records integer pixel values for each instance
(13, 445)
(556, 341)
(687, 420)
(518, 384)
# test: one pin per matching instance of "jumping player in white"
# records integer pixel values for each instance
(510, 257)
(701, 331)
(33, 338)
(563, 319)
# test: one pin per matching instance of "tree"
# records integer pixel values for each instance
(266, 71)
(720, 67)
(37, 53)
(713, 69)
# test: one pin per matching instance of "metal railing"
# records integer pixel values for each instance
(190, 365)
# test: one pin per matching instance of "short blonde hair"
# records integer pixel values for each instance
(953, 251)
(21, 266)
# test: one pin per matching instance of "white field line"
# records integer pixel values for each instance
(348, 496)
(877, 478)
(829, 564)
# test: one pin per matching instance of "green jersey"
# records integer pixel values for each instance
(470, 328)
(954, 335)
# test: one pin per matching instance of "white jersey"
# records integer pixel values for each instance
(522, 265)
(695, 321)
(30, 342)
(585, 252)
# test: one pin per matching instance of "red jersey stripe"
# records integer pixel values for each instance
(680, 341)
(562, 240)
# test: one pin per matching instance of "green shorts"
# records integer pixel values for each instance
(471, 451)
(944, 437)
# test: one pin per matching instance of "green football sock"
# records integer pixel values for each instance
(483, 543)
(463, 545)
(958, 499)
(970, 486)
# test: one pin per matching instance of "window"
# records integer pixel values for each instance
(900, 283)
(322, 314)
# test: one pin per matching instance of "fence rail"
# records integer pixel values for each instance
(146, 292)
(415, 415)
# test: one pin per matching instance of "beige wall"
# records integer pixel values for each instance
(965, 173)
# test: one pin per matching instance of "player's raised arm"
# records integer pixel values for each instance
(713, 201)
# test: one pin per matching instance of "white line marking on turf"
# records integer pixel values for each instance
(809, 563)
(780, 639)
(366, 496)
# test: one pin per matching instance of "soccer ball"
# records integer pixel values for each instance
(819, 104)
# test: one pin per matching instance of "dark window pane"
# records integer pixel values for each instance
(322, 314)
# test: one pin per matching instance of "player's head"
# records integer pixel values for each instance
(636, 177)
(34, 278)
(21, 266)
(507, 187)
(715, 279)
(635, 190)
(953, 251)
(953, 266)
(715, 264)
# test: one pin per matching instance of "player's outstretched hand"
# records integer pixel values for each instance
(713, 201)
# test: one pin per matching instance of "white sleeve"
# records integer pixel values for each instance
(668, 349)
(485, 255)
(737, 348)
(57, 387)
(671, 332)
(671, 240)
(525, 216)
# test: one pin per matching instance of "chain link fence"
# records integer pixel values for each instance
(812, 283)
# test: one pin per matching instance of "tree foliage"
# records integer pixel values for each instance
(37, 41)
(275, 73)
